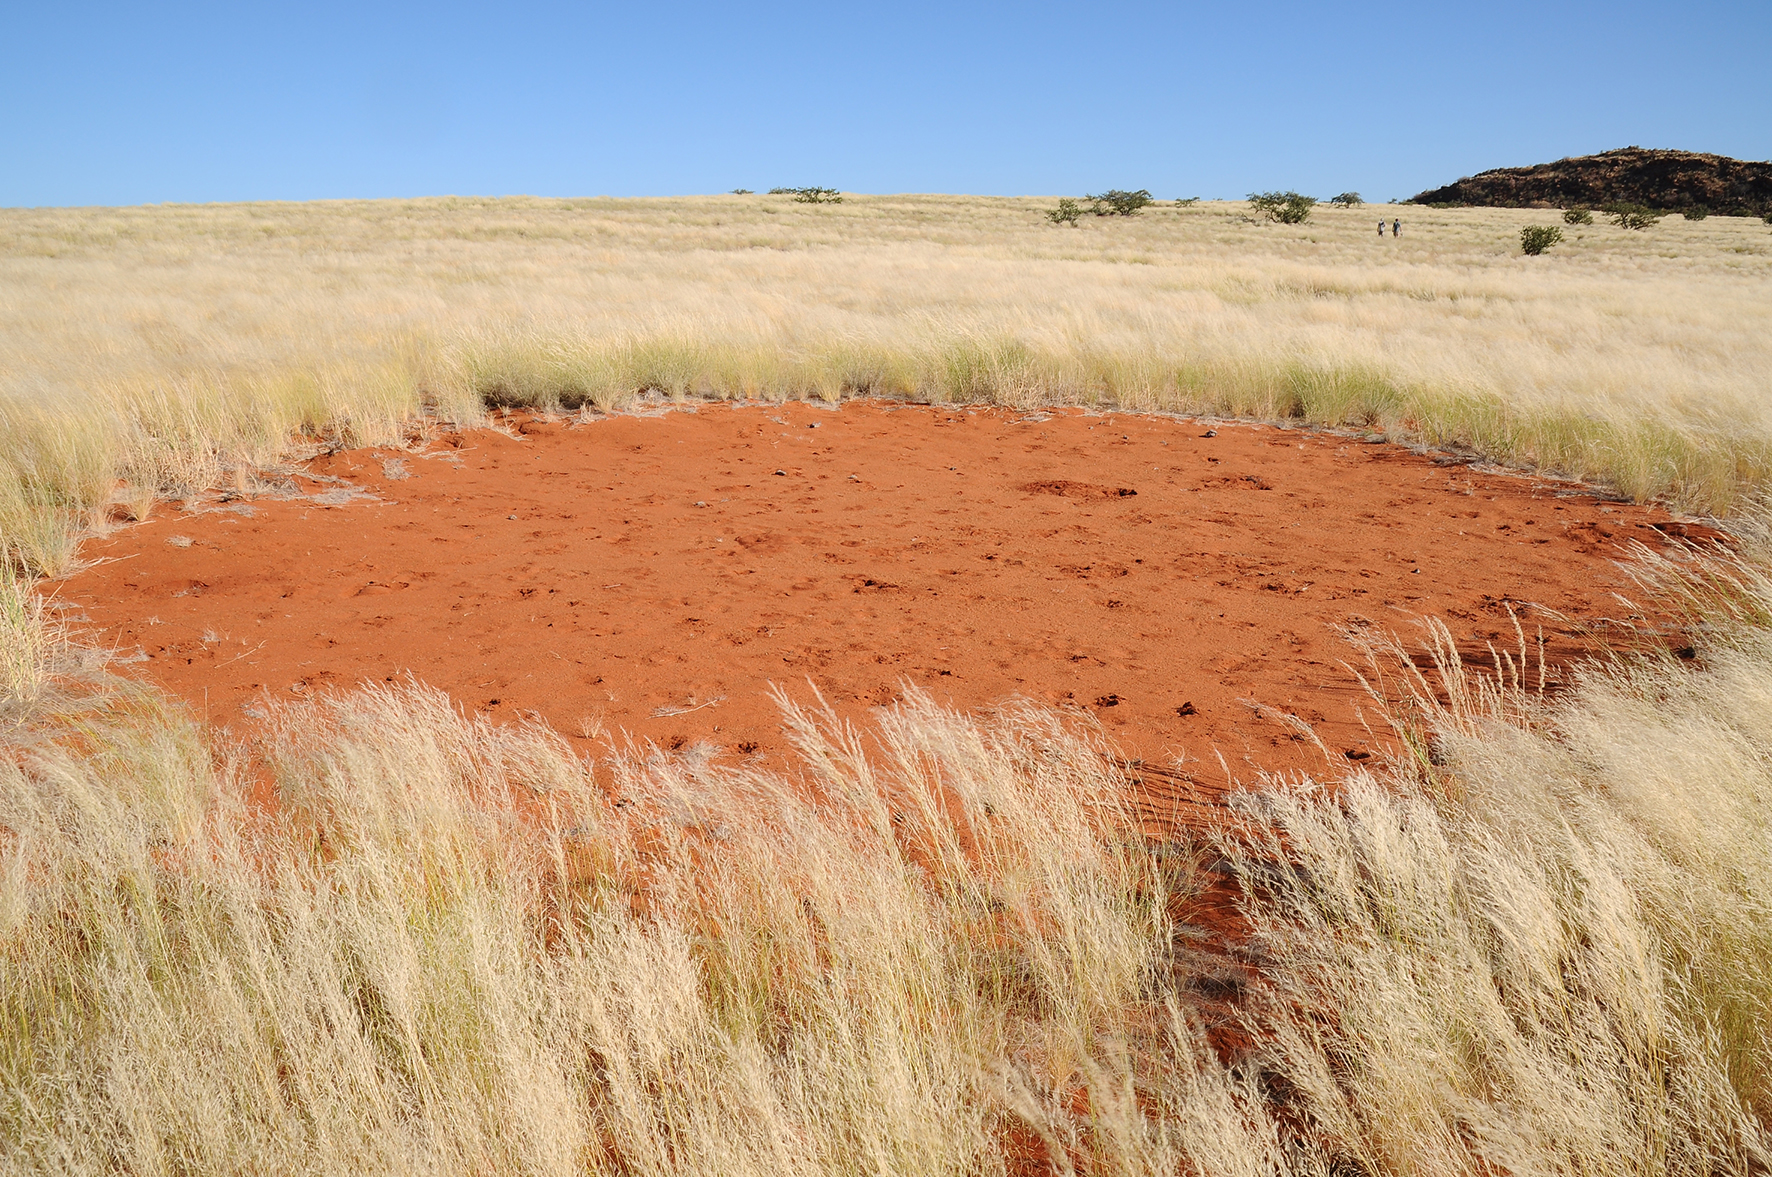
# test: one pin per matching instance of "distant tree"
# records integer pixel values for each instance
(1067, 213)
(1577, 216)
(1696, 212)
(741, 192)
(1117, 202)
(1631, 216)
(782, 191)
(1535, 239)
(1187, 200)
(1288, 208)
(1347, 200)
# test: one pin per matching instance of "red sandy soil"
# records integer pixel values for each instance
(652, 574)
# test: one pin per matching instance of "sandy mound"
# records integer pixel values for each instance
(650, 575)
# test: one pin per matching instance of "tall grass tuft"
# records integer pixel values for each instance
(27, 639)
(451, 946)
(1543, 943)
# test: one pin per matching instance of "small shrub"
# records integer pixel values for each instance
(1695, 213)
(1187, 200)
(1347, 200)
(1577, 216)
(741, 192)
(1535, 239)
(1067, 213)
(1631, 216)
(1288, 208)
(1117, 202)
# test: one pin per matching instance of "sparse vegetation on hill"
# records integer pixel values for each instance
(1668, 180)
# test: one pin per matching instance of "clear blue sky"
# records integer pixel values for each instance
(103, 104)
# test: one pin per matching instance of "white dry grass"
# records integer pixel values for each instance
(164, 345)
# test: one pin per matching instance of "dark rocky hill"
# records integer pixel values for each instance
(1631, 175)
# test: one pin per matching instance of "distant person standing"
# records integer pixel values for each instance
(1396, 227)
(1381, 226)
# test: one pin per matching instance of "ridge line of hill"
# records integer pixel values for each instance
(1660, 179)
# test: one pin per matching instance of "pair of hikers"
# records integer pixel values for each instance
(1396, 227)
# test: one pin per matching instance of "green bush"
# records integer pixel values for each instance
(1288, 208)
(1116, 202)
(741, 192)
(1066, 213)
(1696, 213)
(1535, 239)
(1577, 216)
(1631, 216)
(1347, 200)
(1187, 200)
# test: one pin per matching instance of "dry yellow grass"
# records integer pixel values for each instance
(1544, 948)
(165, 345)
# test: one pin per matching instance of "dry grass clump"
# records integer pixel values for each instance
(148, 351)
(943, 948)
(452, 949)
(70, 453)
(1552, 953)
(27, 642)
(41, 670)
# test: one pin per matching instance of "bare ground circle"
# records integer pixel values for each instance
(647, 577)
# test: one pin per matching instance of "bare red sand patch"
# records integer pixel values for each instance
(650, 575)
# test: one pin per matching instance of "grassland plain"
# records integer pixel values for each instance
(163, 346)
(1541, 946)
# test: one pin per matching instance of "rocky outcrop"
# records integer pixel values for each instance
(1671, 180)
